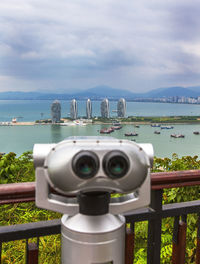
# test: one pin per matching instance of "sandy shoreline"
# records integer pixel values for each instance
(23, 124)
(101, 123)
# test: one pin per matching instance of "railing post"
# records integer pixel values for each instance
(179, 240)
(0, 250)
(154, 229)
(198, 242)
(32, 253)
(129, 248)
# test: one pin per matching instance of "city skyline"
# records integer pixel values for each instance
(136, 46)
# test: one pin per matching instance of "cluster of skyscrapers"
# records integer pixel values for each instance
(105, 112)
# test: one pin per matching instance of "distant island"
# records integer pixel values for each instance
(175, 94)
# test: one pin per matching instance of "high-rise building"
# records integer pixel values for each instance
(105, 108)
(73, 109)
(55, 111)
(88, 109)
(121, 107)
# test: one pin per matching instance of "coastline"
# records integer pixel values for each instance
(102, 123)
(170, 120)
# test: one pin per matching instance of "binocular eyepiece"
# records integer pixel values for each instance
(115, 164)
(94, 164)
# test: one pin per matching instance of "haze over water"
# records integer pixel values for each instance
(22, 138)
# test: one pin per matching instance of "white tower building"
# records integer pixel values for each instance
(105, 108)
(121, 107)
(55, 112)
(73, 109)
(89, 109)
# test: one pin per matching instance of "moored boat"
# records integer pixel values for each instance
(116, 127)
(177, 135)
(131, 134)
(157, 132)
(166, 127)
(155, 125)
(196, 133)
(106, 130)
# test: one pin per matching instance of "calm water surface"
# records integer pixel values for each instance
(22, 138)
(28, 110)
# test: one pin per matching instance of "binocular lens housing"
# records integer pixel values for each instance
(116, 164)
(85, 164)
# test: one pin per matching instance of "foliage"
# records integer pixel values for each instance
(21, 169)
(16, 169)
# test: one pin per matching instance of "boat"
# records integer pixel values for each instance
(79, 123)
(166, 127)
(196, 133)
(177, 135)
(131, 134)
(116, 123)
(157, 132)
(116, 127)
(67, 124)
(137, 126)
(106, 130)
(155, 125)
(64, 124)
(5, 124)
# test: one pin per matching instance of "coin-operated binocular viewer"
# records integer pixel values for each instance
(76, 177)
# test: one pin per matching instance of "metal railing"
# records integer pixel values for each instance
(25, 192)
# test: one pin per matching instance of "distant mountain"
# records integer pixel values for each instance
(32, 96)
(19, 95)
(195, 88)
(103, 91)
(172, 91)
(96, 93)
(100, 92)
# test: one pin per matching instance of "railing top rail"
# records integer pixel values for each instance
(25, 191)
(175, 179)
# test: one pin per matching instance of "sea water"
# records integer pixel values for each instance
(31, 110)
(22, 138)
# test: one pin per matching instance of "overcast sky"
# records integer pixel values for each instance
(68, 45)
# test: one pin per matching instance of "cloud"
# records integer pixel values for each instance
(78, 44)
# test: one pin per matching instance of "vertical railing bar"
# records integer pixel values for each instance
(0, 250)
(32, 253)
(154, 229)
(26, 251)
(183, 240)
(175, 240)
(175, 230)
(38, 244)
(132, 227)
(179, 240)
(184, 218)
(198, 241)
(38, 241)
(129, 244)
